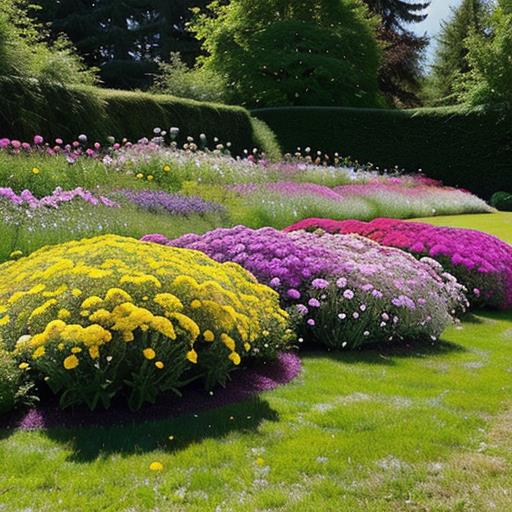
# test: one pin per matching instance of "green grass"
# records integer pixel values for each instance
(420, 428)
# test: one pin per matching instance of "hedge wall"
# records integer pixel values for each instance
(469, 148)
(28, 107)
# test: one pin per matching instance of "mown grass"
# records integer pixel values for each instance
(415, 428)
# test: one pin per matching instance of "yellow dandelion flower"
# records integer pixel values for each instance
(247, 347)
(71, 362)
(5, 320)
(38, 352)
(151, 177)
(149, 353)
(156, 466)
(76, 350)
(36, 170)
(63, 314)
(94, 352)
(160, 365)
(140, 176)
(167, 168)
(192, 356)
(76, 292)
(209, 336)
(23, 366)
(196, 304)
(235, 358)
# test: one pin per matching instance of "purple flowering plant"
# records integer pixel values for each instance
(343, 291)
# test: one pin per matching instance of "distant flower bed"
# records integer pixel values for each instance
(481, 262)
(344, 291)
(59, 196)
(174, 204)
(110, 315)
(285, 202)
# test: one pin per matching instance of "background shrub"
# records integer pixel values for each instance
(464, 147)
(10, 380)
(502, 201)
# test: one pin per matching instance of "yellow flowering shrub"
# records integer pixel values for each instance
(111, 314)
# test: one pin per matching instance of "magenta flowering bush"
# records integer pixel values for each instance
(343, 291)
(481, 262)
(59, 196)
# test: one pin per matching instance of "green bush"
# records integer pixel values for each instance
(52, 110)
(196, 83)
(502, 201)
(10, 379)
(277, 52)
(462, 146)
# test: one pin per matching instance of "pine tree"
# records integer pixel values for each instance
(451, 56)
(124, 38)
(400, 71)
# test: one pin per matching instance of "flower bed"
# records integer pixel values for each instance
(343, 291)
(175, 204)
(58, 197)
(110, 314)
(481, 262)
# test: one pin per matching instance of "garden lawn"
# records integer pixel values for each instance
(419, 428)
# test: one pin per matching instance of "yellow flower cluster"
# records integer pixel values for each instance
(77, 299)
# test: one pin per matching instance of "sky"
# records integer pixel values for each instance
(438, 11)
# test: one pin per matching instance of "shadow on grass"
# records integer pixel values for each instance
(90, 443)
(499, 316)
(386, 355)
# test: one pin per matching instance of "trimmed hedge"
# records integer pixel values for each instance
(463, 147)
(28, 107)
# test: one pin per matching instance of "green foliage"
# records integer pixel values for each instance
(277, 52)
(10, 382)
(502, 201)
(24, 50)
(197, 83)
(451, 57)
(462, 146)
(489, 58)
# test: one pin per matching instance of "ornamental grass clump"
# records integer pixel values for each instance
(481, 262)
(342, 291)
(107, 315)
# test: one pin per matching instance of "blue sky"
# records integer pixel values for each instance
(438, 11)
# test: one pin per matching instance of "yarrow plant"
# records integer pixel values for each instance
(107, 315)
(481, 262)
(343, 291)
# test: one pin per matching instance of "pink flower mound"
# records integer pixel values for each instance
(342, 291)
(481, 262)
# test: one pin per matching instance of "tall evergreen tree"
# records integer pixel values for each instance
(400, 71)
(451, 56)
(124, 38)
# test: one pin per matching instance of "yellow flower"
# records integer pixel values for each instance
(228, 341)
(94, 352)
(192, 356)
(76, 350)
(151, 177)
(5, 320)
(156, 466)
(71, 362)
(15, 254)
(195, 304)
(36, 170)
(38, 352)
(76, 292)
(63, 314)
(235, 358)
(209, 336)
(159, 365)
(149, 353)
(247, 347)
(140, 176)
(260, 461)
(167, 168)
(24, 366)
